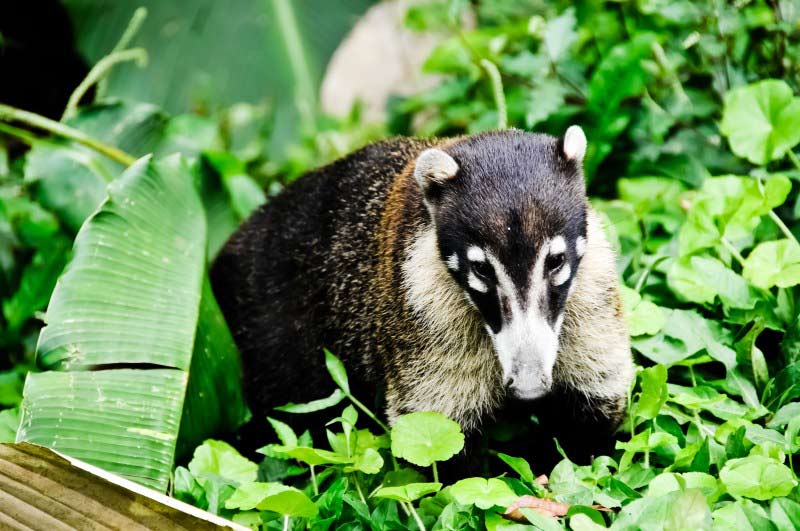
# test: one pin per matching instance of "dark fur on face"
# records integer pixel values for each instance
(513, 192)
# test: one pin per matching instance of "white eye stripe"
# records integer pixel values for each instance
(452, 262)
(476, 254)
(476, 284)
(557, 245)
(562, 275)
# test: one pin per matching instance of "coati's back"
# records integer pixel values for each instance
(281, 279)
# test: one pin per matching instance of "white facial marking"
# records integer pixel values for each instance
(580, 246)
(476, 283)
(476, 254)
(526, 344)
(575, 143)
(562, 275)
(452, 262)
(558, 245)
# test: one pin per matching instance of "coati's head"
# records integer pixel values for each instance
(509, 209)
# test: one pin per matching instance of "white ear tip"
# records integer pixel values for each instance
(434, 165)
(574, 143)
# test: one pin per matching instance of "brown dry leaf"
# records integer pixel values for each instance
(544, 507)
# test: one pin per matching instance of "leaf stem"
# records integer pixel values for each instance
(99, 71)
(286, 523)
(12, 114)
(366, 410)
(435, 472)
(794, 159)
(314, 480)
(127, 36)
(731, 249)
(358, 489)
(416, 516)
(20, 134)
(784, 229)
(290, 34)
(497, 91)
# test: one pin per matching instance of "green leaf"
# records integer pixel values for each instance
(701, 279)
(672, 511)
(785, 513)
(668, 482)
(757, 477)
(760, 120)
(135, 295)
(540, 521)
(71, 179)
(654, 392)
(426, 436)
(221, 459)
(774, 263)
(287, 501)
(643, 316)
(315, 405)
(730, 207)
(520, 466)
(9, 423)
(409, 492)
(742, 515)
(560, 34)
(369, 462)
(337, 371)
(284, 432)
(483, 493)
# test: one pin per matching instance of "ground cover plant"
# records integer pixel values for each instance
(692, 115)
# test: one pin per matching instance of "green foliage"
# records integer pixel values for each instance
(691, 112)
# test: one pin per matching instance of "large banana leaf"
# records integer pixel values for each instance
(134, 336)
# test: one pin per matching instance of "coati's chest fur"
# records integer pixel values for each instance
(364, 257)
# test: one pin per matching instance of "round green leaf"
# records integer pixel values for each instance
(758, 477)
(424, 437)
(760, 120)
(221, 459)
(274, 497)
(483, 493)
(408, 493)
(775, 263)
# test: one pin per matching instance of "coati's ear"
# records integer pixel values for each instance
(574, 144)
(433, 167)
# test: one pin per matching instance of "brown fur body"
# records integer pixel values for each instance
(345, 258)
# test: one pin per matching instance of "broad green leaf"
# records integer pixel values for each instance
(701, 279)
(71, 179)
(559, 34)
(315, 405)
(685, 334)
(543, 100)
(275, 497)
(540, 521)
(730, 207)
(774, 263)
(135, 295)
(221, 459)
(757, 477)
(483, 493)
(668, 482)
(742, 515)
(425, 437)
(785, 513)
(310, 456)
(409, 492)
(673, 511)
(643, 316)
(520, 466)
(654, 392)
(760, 120)
(9, 424)
(337, 371)
(369, 462)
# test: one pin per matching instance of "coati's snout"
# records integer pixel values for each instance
(509, 211)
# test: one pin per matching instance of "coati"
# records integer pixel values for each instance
(467, 276)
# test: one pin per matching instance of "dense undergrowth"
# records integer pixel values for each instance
(691, 114)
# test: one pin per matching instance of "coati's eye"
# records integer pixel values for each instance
(483, 270)
(554, 262)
